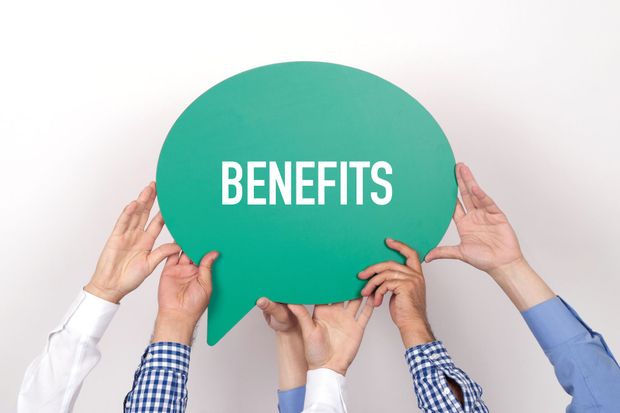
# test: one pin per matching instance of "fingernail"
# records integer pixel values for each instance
(261, 302)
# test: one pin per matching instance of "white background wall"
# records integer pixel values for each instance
(527, 92)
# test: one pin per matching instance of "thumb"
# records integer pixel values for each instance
(302, 314)
(206, 267)
(156, 256)
(444, 252)
(275, 310)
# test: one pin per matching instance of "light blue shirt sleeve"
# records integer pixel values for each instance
(291, 401)
(583, 363)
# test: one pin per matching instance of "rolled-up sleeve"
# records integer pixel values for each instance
(431, 367)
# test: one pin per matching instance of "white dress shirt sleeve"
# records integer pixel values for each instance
(324, 392)
(53, 380)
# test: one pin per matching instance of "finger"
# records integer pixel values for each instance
(122, 224)
(141, 206)
(463, 189)
(134, 220)
(205, 270)
(413, 259)
(148, 204)
(353, 306)
(382, 266)
(156, 256)
(459, 211)
(482, 200)
(444, 252)
(276, 310)
(184, 260)
(366, 312)
(172, 260)
(383, 289)
(303, 316)
(379, 279)
(155, 226)
(146, 194)
(472, 186)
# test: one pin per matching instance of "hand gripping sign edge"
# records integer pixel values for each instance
(301, 117)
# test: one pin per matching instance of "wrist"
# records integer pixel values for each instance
(522, 284)
(504, 271)
(337, 367)
(415, 334)
(292, 366)
(291, 338)
(108, 294)
(174, 327)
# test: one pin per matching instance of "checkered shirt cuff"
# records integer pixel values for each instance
(160, 383)
(431, 366)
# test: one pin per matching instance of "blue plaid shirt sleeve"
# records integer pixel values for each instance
(160, 382)
(431, 366)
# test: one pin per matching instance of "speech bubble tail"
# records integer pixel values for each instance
(224, 312)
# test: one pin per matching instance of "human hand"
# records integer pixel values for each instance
(488, 241)
(408, 300)
(292, 366)
(128, 256)
(278, 316)
(183, 296)
(333, 334)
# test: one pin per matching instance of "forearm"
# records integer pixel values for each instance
(292, 366)
(440, 386)
(416, 333)
(419, 334)
(171, 326)
(292, 370)
(522, 284)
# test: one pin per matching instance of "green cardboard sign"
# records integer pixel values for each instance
(296, 173)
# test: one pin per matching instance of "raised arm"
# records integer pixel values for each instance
(332, 337)
(583, 363)
(292, 366)
(160, 384)
(489, 243)
(53, 380)
(439, 385)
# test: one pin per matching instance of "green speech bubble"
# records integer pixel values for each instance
(229, 179)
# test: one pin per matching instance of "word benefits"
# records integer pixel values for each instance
(282, 183)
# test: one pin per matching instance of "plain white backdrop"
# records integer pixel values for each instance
(527, 92)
